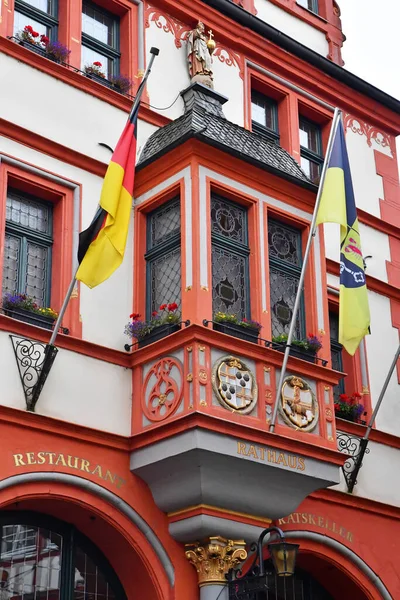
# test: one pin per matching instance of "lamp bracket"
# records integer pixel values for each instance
(352, 446)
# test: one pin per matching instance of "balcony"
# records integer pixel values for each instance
(202, 402)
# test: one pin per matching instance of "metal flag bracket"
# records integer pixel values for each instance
(34, 361)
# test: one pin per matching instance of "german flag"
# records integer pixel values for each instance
(102, 245)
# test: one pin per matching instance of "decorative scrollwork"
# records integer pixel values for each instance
(34, 361)
(179, 30)
(350, 445)
(230, 58)
(371, 132)
(162, 389)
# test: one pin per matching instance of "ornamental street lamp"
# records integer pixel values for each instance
(254, 585)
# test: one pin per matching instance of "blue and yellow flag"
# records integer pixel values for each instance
(338, 206)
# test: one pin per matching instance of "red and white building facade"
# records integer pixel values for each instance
(137, 466)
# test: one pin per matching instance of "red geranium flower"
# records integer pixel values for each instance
(35, 34)
(163, 306)
(357, 395)
(44, 39)
(344, 397)
(28, 28)
(172, 306)
(97, 64)
(337, 406)
(134, 316)
(154, 313)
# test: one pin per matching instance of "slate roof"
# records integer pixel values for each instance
(204, 120)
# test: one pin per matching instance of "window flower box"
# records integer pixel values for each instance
(163, 322)
(244, 329)
(158, 333)
(297, 352)
(100, 79)
(24, 308)
(30, 317)
(350, 408)
(33, 47)
(249, 334)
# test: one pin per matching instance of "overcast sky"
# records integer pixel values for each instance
(372, 48)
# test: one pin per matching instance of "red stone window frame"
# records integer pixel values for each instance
(62, 198)
(140, 244)
(70, 33)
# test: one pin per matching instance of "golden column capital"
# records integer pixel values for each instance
(214, 558)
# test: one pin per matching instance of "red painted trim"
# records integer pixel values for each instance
(54, 149)
(240, 431)
(387, 168)
(68, 342)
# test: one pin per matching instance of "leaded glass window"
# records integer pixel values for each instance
(41, 558)
(285, 260)
(163, 256)
(336, 352)
(229, 258)
(100, 38)
(27, 247)
(40, 14)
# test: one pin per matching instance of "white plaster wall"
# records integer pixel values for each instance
(373, 243)
(381, 347)
(295, 28)
(46, 110)
(79, 389)
(170, 76)
(377, 479)
(105, 309)
(368, 188)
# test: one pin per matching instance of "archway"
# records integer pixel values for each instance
(44, 558)
(128, 544)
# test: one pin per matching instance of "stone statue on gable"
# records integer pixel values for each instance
(199, 51)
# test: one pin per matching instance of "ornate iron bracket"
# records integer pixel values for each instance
(355, 448)
(34, 361)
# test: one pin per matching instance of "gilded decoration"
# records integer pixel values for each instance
(298, 405)
(162, 389)
(234, 385)
(214, 558)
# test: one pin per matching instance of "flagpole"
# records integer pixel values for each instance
(313, 227)
(154, 52)
(364, 441)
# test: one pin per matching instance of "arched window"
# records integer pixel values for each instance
(42, 558)
(302, 586)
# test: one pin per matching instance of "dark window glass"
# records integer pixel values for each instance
(285, 260)
(229, 258)
(100, 39)
(40, 14)
(43, 559)
(310, 4)
(336, 352)
(311, 149)
(27, 247)
(264, 116)
(163, 256)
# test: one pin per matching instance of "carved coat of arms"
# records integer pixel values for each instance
(234, 385)
(298, 405)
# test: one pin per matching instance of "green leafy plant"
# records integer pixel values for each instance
(311, 343)
(228, 318)
(24, 302)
